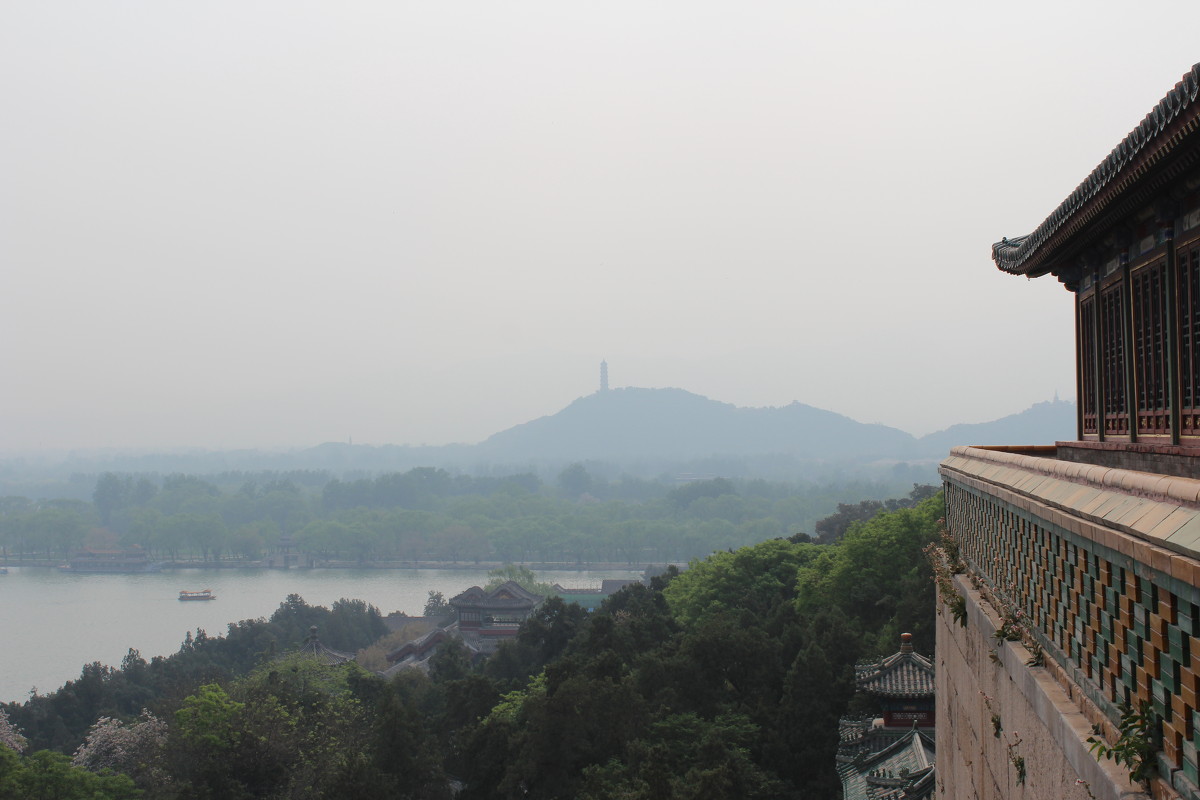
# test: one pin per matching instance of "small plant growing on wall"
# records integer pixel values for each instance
(1137, 742)
(1014, 758)
(946, 561)
(958, 608)
(1011, 628)
(1037, 656)
(1018, 763)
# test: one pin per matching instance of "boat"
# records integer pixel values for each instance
(203, 594)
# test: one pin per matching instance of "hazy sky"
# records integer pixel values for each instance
(244, 224)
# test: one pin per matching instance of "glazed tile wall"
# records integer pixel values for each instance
(1126, 631)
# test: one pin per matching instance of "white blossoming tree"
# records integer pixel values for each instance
(134, 749)
(9, 735)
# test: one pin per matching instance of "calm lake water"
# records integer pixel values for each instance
(52, 623)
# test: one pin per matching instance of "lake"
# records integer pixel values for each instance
(52, 622)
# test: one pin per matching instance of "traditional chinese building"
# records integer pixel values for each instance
(132, 560)
(591, 598)
(417, 653)
(484, 619)
(891, 757)
(904, 686)
(1085, 554)
(314, 649)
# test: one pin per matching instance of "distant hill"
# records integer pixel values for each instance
(1042, 423)
(643, 431)
(676, 424)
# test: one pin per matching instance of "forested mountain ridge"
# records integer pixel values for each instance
(662, 423)
(1041, 423)
(659, 423)
(642, 432)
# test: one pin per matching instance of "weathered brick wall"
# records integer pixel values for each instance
(1040, 721)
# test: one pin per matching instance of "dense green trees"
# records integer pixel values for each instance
(723, 681)
(46, 775)
(428, 515)
(60, 720)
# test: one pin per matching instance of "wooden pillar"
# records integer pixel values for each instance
(1097, 359)
(1079, 362)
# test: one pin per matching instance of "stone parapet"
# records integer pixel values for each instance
(1101, 566)
(1008, 731)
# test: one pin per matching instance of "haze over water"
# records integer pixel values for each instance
(52, 623)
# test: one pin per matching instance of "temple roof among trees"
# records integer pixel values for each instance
(903, 675)
(1140, 155)
(312, 647)
(901, 771)
(508, 595)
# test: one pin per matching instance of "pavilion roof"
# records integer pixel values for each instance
(902, 770)
(902, 675)
(1175, 118)
(326, 656)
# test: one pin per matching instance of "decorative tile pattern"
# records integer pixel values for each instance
(1127, 630)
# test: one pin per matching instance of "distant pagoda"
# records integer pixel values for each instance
(604, 376)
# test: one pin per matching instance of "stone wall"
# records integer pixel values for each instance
(1041, 727)
(1100, 567)
(1104, 566)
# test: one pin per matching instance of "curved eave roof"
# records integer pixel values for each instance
(508, 595)
(324, 655)
(903, 765)
(1159, 134)
(903, 675)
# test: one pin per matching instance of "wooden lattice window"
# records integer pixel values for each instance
(1189, 324)
(1149, 298)
(1087, 361)
(1112, 360)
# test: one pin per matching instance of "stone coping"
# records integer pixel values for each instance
(1185, 491)
(1160, 509)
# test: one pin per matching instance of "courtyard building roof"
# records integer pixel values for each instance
(508, 595)
(901, 675)
(901, 771)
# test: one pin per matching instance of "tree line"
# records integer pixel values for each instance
(424, 514)
(723, 681)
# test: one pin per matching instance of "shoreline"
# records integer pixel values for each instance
(544, 566)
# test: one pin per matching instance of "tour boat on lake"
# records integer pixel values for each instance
(203, 594)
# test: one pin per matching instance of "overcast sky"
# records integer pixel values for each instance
(247, 224)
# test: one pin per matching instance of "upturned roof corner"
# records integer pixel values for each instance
(1134, 161)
